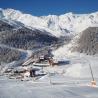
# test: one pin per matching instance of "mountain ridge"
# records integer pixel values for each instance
(62, 25)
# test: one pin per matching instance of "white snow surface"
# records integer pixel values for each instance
(60, 25)
(72, 88)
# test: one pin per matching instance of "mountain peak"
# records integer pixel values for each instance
(69, 13)
(58, 25)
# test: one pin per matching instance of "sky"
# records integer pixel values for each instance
(46, 7)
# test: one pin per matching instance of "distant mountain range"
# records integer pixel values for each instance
(62, 25)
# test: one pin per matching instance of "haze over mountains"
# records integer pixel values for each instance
(25, 31)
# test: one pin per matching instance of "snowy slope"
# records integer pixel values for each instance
(58, 25)
(23, 89)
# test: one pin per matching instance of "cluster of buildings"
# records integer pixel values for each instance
(33, 67)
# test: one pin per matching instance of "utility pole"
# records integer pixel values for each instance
(93, 82)
(91, 72)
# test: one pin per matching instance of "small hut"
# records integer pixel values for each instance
(33, 72)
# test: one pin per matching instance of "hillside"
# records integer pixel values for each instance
(27, 39)
(87, 41)
(20, 37)
(8, 55)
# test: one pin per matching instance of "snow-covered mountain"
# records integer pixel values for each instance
(61, 25)
(68, 24)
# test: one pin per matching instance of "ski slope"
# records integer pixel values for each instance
(73, 88)
(74, 82)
